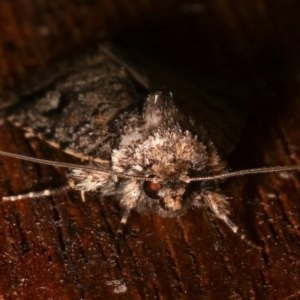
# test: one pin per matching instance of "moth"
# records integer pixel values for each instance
(133, 144)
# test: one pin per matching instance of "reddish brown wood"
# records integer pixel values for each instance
(61, 248)
(34, 33)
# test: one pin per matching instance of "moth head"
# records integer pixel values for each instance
(167, 195)
(156, 145)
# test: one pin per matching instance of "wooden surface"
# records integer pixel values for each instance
(61, 248)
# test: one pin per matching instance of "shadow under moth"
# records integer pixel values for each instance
(133, 144)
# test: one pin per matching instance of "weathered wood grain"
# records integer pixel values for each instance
(61, 248)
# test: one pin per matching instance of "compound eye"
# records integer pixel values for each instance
(151, 189)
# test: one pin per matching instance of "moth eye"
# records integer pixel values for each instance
(151, 189)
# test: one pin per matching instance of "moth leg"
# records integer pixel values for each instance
(218, 205)
(132, 195)
(82, 195)
(124, 219)
(32, 195)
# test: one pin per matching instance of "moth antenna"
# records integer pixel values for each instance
(245, 172)
(33, 195)
(69, 165)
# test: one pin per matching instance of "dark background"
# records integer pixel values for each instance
(244, 51)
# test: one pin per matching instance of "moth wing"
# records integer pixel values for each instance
(75, 106)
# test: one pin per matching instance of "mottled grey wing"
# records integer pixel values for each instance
(75, 110)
